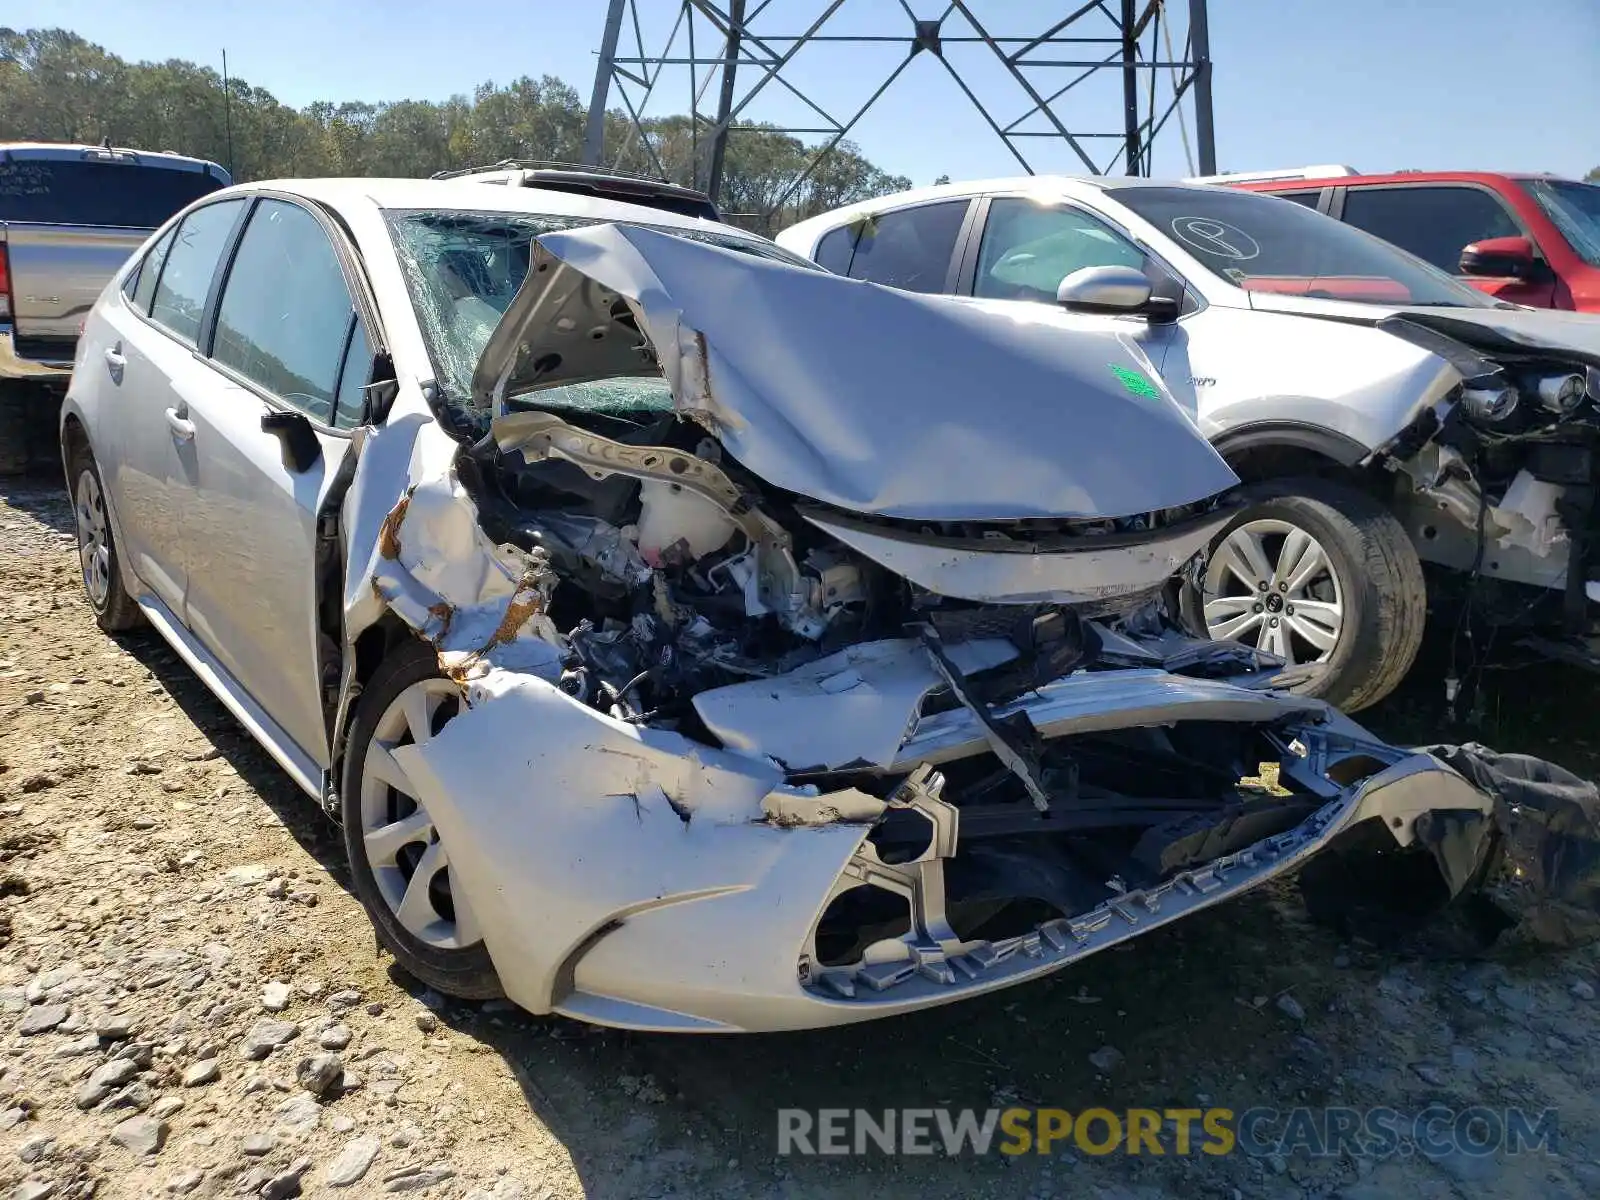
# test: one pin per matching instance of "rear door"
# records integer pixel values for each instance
(913, 249)
(145, 364)
(1436, 221)
(287, 352)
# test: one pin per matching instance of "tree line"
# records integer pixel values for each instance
(56, 86)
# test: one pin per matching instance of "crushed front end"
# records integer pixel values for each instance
(767, 726)
(1500, 480)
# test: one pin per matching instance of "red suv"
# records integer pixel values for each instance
(1530, 239)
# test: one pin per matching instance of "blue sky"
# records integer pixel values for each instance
(1377, 84)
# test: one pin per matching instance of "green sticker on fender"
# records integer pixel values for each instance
(1135, 382)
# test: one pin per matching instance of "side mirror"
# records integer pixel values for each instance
(1104, 290)
(1503, 257)
(301, 449)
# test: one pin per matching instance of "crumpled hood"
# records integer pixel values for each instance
(1551, 331)
(874, 400)
(1522, 331)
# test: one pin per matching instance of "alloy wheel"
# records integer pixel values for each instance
(94, 542)
(1270, 584)
(408, 861)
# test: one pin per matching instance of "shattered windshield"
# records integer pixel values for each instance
(463, 269)
(1266, 244)
(1574, 208)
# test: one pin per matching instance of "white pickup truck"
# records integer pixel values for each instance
(69, 217)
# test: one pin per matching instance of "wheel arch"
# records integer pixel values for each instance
(1271, 449)
(75, 438)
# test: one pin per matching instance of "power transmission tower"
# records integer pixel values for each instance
(1041, 88)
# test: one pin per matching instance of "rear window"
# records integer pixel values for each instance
(90, 192)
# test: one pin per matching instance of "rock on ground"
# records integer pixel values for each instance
(153, 862)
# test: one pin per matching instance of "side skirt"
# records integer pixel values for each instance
(301, 767)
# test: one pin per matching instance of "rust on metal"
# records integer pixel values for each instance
(389, 532)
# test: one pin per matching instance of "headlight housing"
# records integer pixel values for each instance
(1489, 401)
(1563, 392)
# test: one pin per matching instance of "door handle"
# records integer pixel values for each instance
(115, 362)
(182, 427)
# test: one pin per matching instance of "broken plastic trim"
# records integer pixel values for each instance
(928, 961)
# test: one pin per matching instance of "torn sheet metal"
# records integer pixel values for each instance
(1090, 573)
(1093, 701)
(476, 602)
(854, 707)
(874, 400)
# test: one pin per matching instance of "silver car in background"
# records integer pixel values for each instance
(687, 638)
(1380, 413)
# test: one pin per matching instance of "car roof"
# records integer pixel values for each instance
(1290, 185)
(75, 151)
(1080, 186)
(473, 195)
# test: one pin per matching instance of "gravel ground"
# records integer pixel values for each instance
(191, 1002)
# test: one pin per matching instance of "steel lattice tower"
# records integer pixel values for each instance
(1163, 67)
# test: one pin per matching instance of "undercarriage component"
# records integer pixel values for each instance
(1015, 741)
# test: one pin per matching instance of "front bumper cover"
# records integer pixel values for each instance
(630, 877)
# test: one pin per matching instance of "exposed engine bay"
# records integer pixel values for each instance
(679, 578)
(1500, 479)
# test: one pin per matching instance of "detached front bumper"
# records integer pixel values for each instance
(630, 877)
(14, 366)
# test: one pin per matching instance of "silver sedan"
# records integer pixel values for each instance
(685, 638)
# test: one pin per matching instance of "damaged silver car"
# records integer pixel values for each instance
(1381, 414)
(686, 638)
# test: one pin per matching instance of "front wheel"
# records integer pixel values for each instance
(403, 873)
(1324, 577)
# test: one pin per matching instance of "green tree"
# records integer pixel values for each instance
(56, 86)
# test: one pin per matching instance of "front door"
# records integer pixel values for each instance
(286, 345)
(1029, 246)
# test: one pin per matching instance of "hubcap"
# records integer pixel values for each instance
(94, 543)
(407, 858)
(1271, 585)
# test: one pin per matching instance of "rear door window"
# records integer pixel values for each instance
(180, 293)
(1434, 223)
(1309, 199)
(284, 318)
(116, 192)
(910, 248)
(835, 249)
(144, 279)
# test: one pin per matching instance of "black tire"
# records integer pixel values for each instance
(15, 434)
(465, 973)
(118, 612)
(29, 415)
(1380, 579)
